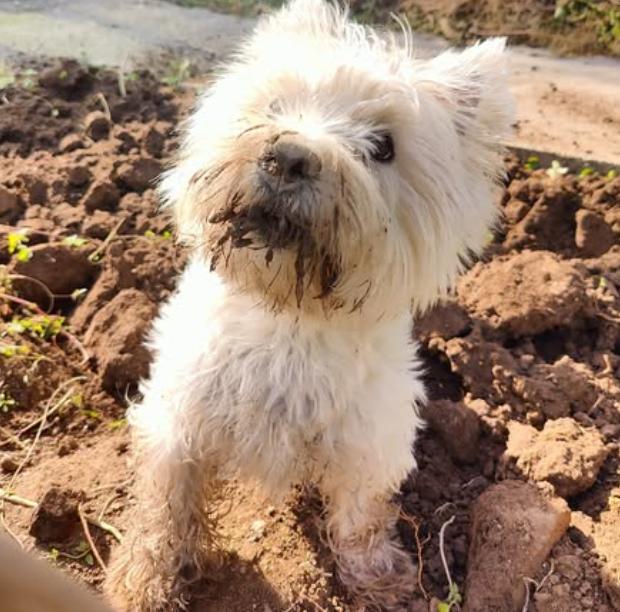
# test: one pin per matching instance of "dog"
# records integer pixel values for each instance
(329, 184)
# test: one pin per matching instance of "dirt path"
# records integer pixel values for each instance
(566, 106)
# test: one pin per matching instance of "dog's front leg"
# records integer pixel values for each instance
(170, 535)
(358, 485)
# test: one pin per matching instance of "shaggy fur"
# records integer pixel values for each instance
(328, 183)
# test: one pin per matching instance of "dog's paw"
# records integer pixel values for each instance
(135, 583)
(381, 577)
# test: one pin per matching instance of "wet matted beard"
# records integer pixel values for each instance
(259, 219)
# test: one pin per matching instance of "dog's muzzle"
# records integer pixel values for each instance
(287, 163)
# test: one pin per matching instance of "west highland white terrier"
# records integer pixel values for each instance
(330, 184)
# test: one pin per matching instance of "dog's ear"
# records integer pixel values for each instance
(472, 86)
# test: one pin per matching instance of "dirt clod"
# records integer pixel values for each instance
(563, 454)
(458, 427)
(526, 294)
(97, 125)
(116, 336)
(56, 517)
(592, 235)
(61, 268)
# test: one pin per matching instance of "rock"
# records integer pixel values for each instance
(97, 125)
(139, 175)
(56, 517)
(101, 195)
(513, 529)
(62, 269)
(10, 208)
(524, 294)
(446, 320)
(79, 176)
(457, 426)
(563, 453)
(116, 338)
(592, 235)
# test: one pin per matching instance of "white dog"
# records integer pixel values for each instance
(330, 183)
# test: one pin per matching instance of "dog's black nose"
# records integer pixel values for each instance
(290, 161)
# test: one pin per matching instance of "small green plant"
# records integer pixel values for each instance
(39, 326)
(586, 171)
(17, 245)
(117, 424)
(74, 241)
(454, 599)
(178, 72)
(165, 235)
(7, 403)
(556, 170)
(532, 162)
(11, 350)
(611, 174)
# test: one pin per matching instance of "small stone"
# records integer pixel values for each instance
(257, 529)
(592, 235)
(97, 125)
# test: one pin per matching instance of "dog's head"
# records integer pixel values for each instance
(327, 170)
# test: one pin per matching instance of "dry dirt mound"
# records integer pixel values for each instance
(521, 453)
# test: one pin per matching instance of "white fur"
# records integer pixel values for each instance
(246, 382)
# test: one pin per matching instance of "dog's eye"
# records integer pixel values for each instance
(382, 147)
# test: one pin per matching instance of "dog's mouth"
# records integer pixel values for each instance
(261, 226)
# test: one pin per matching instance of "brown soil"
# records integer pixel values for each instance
(522, 365)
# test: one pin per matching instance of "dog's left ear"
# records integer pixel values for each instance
(472, 85)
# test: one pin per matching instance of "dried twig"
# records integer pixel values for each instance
(104, 104)
(413, 523)
(89, 538)
(537, 586)
(104, 245)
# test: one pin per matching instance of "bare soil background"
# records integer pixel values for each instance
(519, 464)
